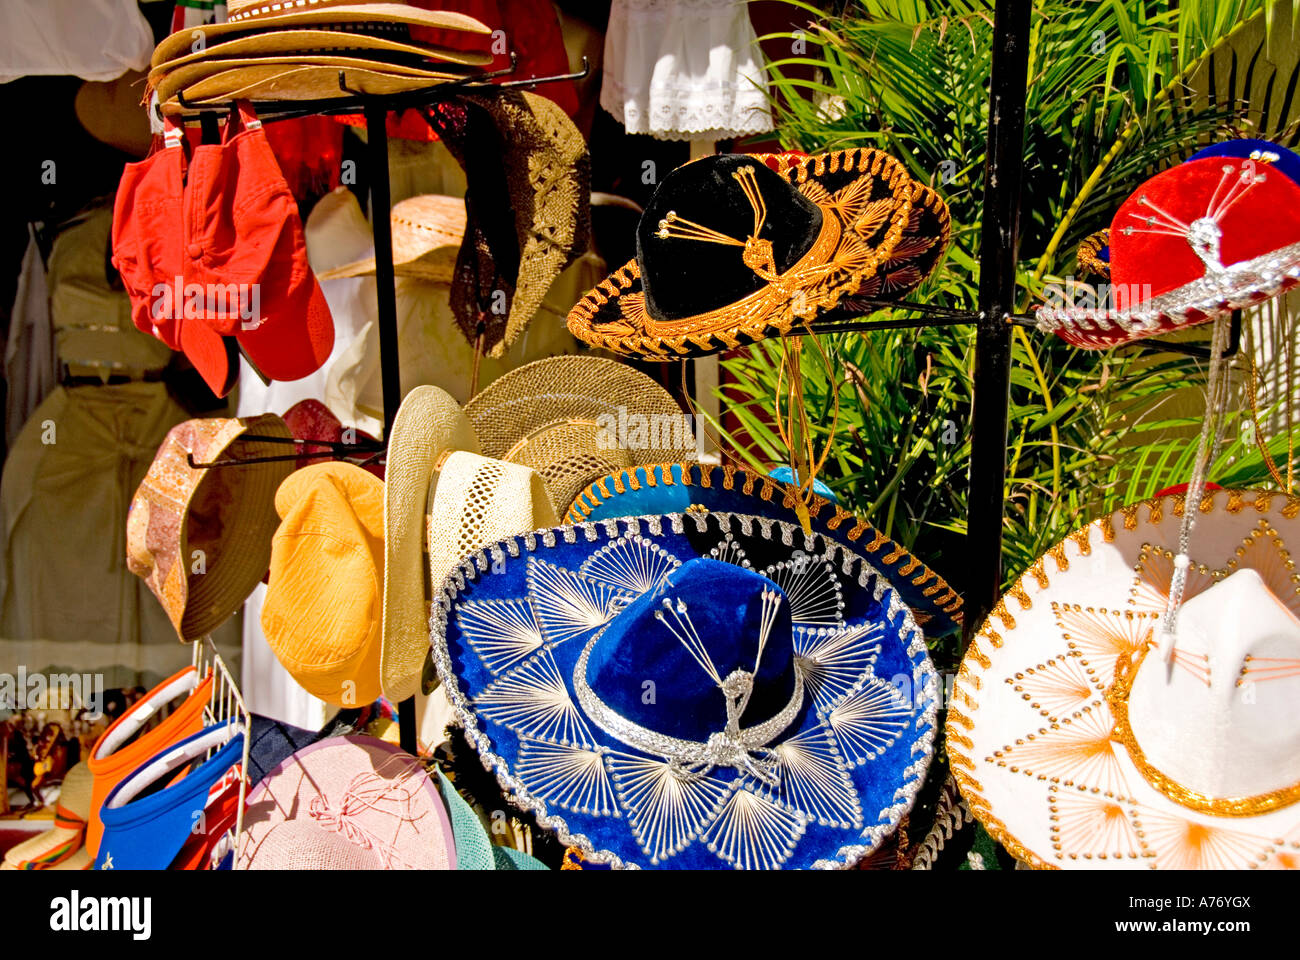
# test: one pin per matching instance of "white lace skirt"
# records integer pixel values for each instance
(684, 70)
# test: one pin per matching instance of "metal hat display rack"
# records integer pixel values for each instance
(375, 108)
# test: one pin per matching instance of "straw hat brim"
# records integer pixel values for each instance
(550, 414)
(427, 232)
(298, 83)
(356, 13)
(614, 315)
(320, 41)
(169, 82)
(428, 424)
(1031, 734)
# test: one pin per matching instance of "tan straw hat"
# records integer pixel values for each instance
(237, 72)
(200, 537)
(60, 844)
(359, 19)
(296, 83)
(576, 419)
(427, 231)
(429, 424)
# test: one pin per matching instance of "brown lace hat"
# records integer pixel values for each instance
(735, 248)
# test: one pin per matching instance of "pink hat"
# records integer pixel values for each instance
(347, 803)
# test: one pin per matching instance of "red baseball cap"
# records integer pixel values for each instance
(243, 244)
(146, 242)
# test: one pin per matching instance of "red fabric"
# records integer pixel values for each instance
(146, 234)
(219, 816)
(241, 226)
(312, 420)
(182, 238)
(1266, 217)
(310, 154)
(531, 29)
(1182, 488)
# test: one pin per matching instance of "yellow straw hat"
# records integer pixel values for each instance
(324, 603)
(428, 425)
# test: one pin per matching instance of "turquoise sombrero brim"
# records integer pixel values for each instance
(678, 487)
(510, 628)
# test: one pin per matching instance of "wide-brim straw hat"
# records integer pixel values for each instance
(360, 20)
(62, 842)
(732, 249)
(199, 80)
(200, 536)
(427, 232)
(575, 419)
(662, 488)
(586, 665)
(1076, 746)
(343, 803)
(294, 83)
(429, 426)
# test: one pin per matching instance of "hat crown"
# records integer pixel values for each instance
(704, 657)
(717, 230)
(1220, 720)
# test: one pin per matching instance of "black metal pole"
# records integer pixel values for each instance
(998, 243)
(386, 295)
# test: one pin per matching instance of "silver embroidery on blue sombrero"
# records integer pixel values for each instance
(745, 794)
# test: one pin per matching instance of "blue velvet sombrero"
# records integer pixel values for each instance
(692, 691)
(679, 487)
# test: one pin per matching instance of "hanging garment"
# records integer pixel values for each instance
(66, 596)
(91, 39)
(93, 332)
(31, 371)
(684, 70)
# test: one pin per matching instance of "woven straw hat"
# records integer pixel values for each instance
(265, 20)
(295, 83)
(60, 844)
(576, 419)
(429, 424)
(427, 232)
(1075, 744)
(239, 72)
(474, 501)
(201, 537)
(347, 803)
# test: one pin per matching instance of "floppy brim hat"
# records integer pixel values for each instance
(1043, 729)
(349, 802)
(186, 79)
(472, 501)
(323, 611)
(1202, 238)
(63, 841)
(680, 487)
(606, 719)
(730, 251)
(427, 231)
(201, 537)
(429, 425)
(267, 21)
(574, 419)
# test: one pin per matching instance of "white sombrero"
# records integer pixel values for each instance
(1077, 746)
